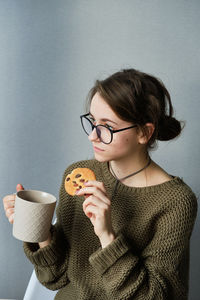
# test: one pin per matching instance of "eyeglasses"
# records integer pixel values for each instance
(104, 133)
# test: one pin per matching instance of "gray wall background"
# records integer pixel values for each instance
(50, 54)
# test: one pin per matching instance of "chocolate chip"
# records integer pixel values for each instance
(82, 180)
(67, 179)
(80, 187)
(78, 175)
(74, 181)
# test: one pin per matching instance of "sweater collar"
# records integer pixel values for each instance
(141, 190)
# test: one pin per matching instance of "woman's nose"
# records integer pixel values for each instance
(93, 135)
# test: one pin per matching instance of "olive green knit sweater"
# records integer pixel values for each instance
(149, 259)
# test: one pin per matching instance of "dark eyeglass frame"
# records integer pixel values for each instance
(96, 127)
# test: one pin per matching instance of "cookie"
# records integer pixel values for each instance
(75, 180)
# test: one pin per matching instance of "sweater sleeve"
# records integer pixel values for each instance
(157, 271)
(51, 262)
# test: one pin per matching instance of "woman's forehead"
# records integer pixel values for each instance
(101, 110)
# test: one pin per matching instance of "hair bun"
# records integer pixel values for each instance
(168, 128)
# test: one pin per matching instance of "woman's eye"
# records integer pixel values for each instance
(109, 126)
(92, 120)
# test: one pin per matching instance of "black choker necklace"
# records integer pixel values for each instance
(132, 174)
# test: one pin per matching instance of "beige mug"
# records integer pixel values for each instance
(33, 215)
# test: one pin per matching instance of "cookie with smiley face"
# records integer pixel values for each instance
(75, 180)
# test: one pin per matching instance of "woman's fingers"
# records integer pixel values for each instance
(96, 192)
(91, 210)
(97, 184)
(19, 187)
(97, 207)
(93, 190)
(9, 204)
(9, 201)
(11, 218)
(94, 201)
(9, 212)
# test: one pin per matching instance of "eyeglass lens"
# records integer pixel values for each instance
(103, 133)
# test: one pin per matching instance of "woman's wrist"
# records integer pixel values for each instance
(45, 243)
(106, 239)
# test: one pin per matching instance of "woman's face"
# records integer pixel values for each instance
(124, 144)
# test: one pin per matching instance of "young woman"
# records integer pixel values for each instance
(129, 238)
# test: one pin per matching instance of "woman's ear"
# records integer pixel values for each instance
(145, 133)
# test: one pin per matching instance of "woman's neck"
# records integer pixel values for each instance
(122, 168)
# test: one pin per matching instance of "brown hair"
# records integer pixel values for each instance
(139, 98)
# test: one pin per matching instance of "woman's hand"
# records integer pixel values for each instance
(9, 204)
(97, 207)
(9, 207)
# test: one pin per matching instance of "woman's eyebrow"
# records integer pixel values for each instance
(104, 119)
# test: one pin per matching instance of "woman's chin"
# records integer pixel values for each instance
(100, 158)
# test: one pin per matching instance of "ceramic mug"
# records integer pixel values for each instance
(33, 215)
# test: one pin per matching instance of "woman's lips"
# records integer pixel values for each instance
(97, 149)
